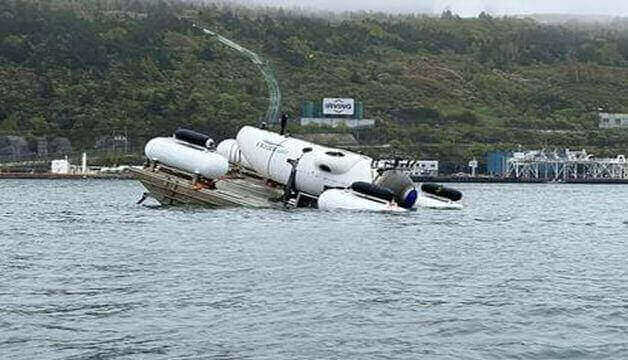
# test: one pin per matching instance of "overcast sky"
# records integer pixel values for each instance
(465, 7)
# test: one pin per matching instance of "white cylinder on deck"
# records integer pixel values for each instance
(432, 202)
(230, 150)
(319, 167)
(189, 158)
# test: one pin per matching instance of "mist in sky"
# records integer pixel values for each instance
(463, 7)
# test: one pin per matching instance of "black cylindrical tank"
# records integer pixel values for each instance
(193, 137)
(373, 190)
(441, 191)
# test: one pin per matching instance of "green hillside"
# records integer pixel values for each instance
(441, 87)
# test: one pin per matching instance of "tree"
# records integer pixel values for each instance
(8, 126)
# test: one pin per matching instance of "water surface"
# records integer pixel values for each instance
(524, 272)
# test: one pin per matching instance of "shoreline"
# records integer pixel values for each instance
(418, 179)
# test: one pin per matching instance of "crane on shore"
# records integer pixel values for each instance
(272, 113)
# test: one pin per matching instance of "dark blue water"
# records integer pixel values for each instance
(525, 272)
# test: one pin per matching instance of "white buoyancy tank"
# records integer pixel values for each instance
(189, 158)
(319, 167)
(345, 199)
(433, 202)
(230, 150)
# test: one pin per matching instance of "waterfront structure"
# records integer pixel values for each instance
(564, 165)
(608, 121)
(473, 164)
(497, 162)
(410, 167)
(60, 166)
(64, 167)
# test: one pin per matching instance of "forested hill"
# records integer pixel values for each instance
(438, 86)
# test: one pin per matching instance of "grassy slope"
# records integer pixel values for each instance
(151, 75)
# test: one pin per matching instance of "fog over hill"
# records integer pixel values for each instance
(467, 8)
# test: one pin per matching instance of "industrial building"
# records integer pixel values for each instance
(497, 162)
(556, 165)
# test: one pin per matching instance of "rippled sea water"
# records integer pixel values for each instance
(524, 272)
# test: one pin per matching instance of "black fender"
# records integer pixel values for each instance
(373, 190)
(441, 191)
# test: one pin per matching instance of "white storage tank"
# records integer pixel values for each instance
(230, 150)
(186, 157)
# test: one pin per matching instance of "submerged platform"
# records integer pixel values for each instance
(173, 187)
(170, 186)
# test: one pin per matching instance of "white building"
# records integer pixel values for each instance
(60, 166)
(335, 122)
(63, 166)
(608, 121)
(411, 167)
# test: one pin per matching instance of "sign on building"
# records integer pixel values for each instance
(338, 106)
